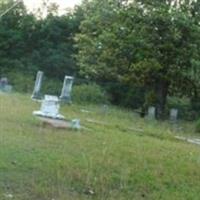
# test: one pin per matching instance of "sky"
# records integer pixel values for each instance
(34, 4)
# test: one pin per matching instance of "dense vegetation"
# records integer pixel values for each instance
(141, 52)
(29, 42)
(130, 53)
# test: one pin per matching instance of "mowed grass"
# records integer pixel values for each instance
(114, 160)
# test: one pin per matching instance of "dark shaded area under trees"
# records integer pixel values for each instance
(140, 51)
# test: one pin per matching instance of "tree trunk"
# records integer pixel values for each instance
(161, 98)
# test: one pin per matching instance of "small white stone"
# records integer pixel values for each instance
(10, 196)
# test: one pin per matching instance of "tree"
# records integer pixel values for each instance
(29, 43)
(151, 43)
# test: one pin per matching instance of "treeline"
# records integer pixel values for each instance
(29, 43)
(141, 51)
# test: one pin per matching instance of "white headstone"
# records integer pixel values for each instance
(67, 88)
(49, 108)
(49, 113)
(38, 83)
(151, 112)
(75, 124)
(4, 86)
(173, 115)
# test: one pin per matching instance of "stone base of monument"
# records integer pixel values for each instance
(60, 123)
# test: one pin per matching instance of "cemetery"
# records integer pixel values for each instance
(50, 105)
(99, 101)
(39, 153)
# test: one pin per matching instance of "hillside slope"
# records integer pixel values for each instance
(117, 156)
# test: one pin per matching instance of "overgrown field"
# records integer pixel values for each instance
(116, 156)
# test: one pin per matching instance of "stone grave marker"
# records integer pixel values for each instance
(4, 85)
(3, 81)
(105, 109)
(151, 113)
(173, 115)
(49, 114)
(38, 83)
(49, 108)
(66, 90)
(75, 124)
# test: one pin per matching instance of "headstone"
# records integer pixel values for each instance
(173, 115)
(151, 113)
(3, 81)
(66, 90)
(49, 108)
(105, 109)
(4, 85)
(38, 83)
(75, 124)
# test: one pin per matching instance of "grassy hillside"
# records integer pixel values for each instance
(115, 160)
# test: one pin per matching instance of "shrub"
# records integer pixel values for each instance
(198, 126)
(89, 94)
(21, 82)
(51, 86)
(125, 95)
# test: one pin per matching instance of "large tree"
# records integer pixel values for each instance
(152, 43)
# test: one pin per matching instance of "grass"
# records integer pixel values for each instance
(113, 160)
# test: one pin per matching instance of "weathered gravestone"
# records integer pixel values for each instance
(38, 83)
(49, 114)
(66, 90)
(105, 109)
(75, 124)
(50, 105)
(151, 113)
(173, 115)
(4, 85)
(49, 108)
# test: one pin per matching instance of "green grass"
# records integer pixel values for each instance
(115, 161)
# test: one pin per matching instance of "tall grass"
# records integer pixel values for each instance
(116, 156)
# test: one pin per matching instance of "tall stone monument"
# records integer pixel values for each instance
(66, 90)
(38, 83)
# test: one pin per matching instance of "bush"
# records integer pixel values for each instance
(197, 128)
(21, 82)
(51, 86)
(125, 95)
(92, 93)
(25, 83)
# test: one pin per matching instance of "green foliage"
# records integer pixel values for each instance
(185, 109)
(198, 126)
(89, 93)
(141, 46)
(51, 86)
(28, 43)
(21, 82)
(140, 43)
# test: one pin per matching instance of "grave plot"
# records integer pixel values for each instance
(50, 105)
